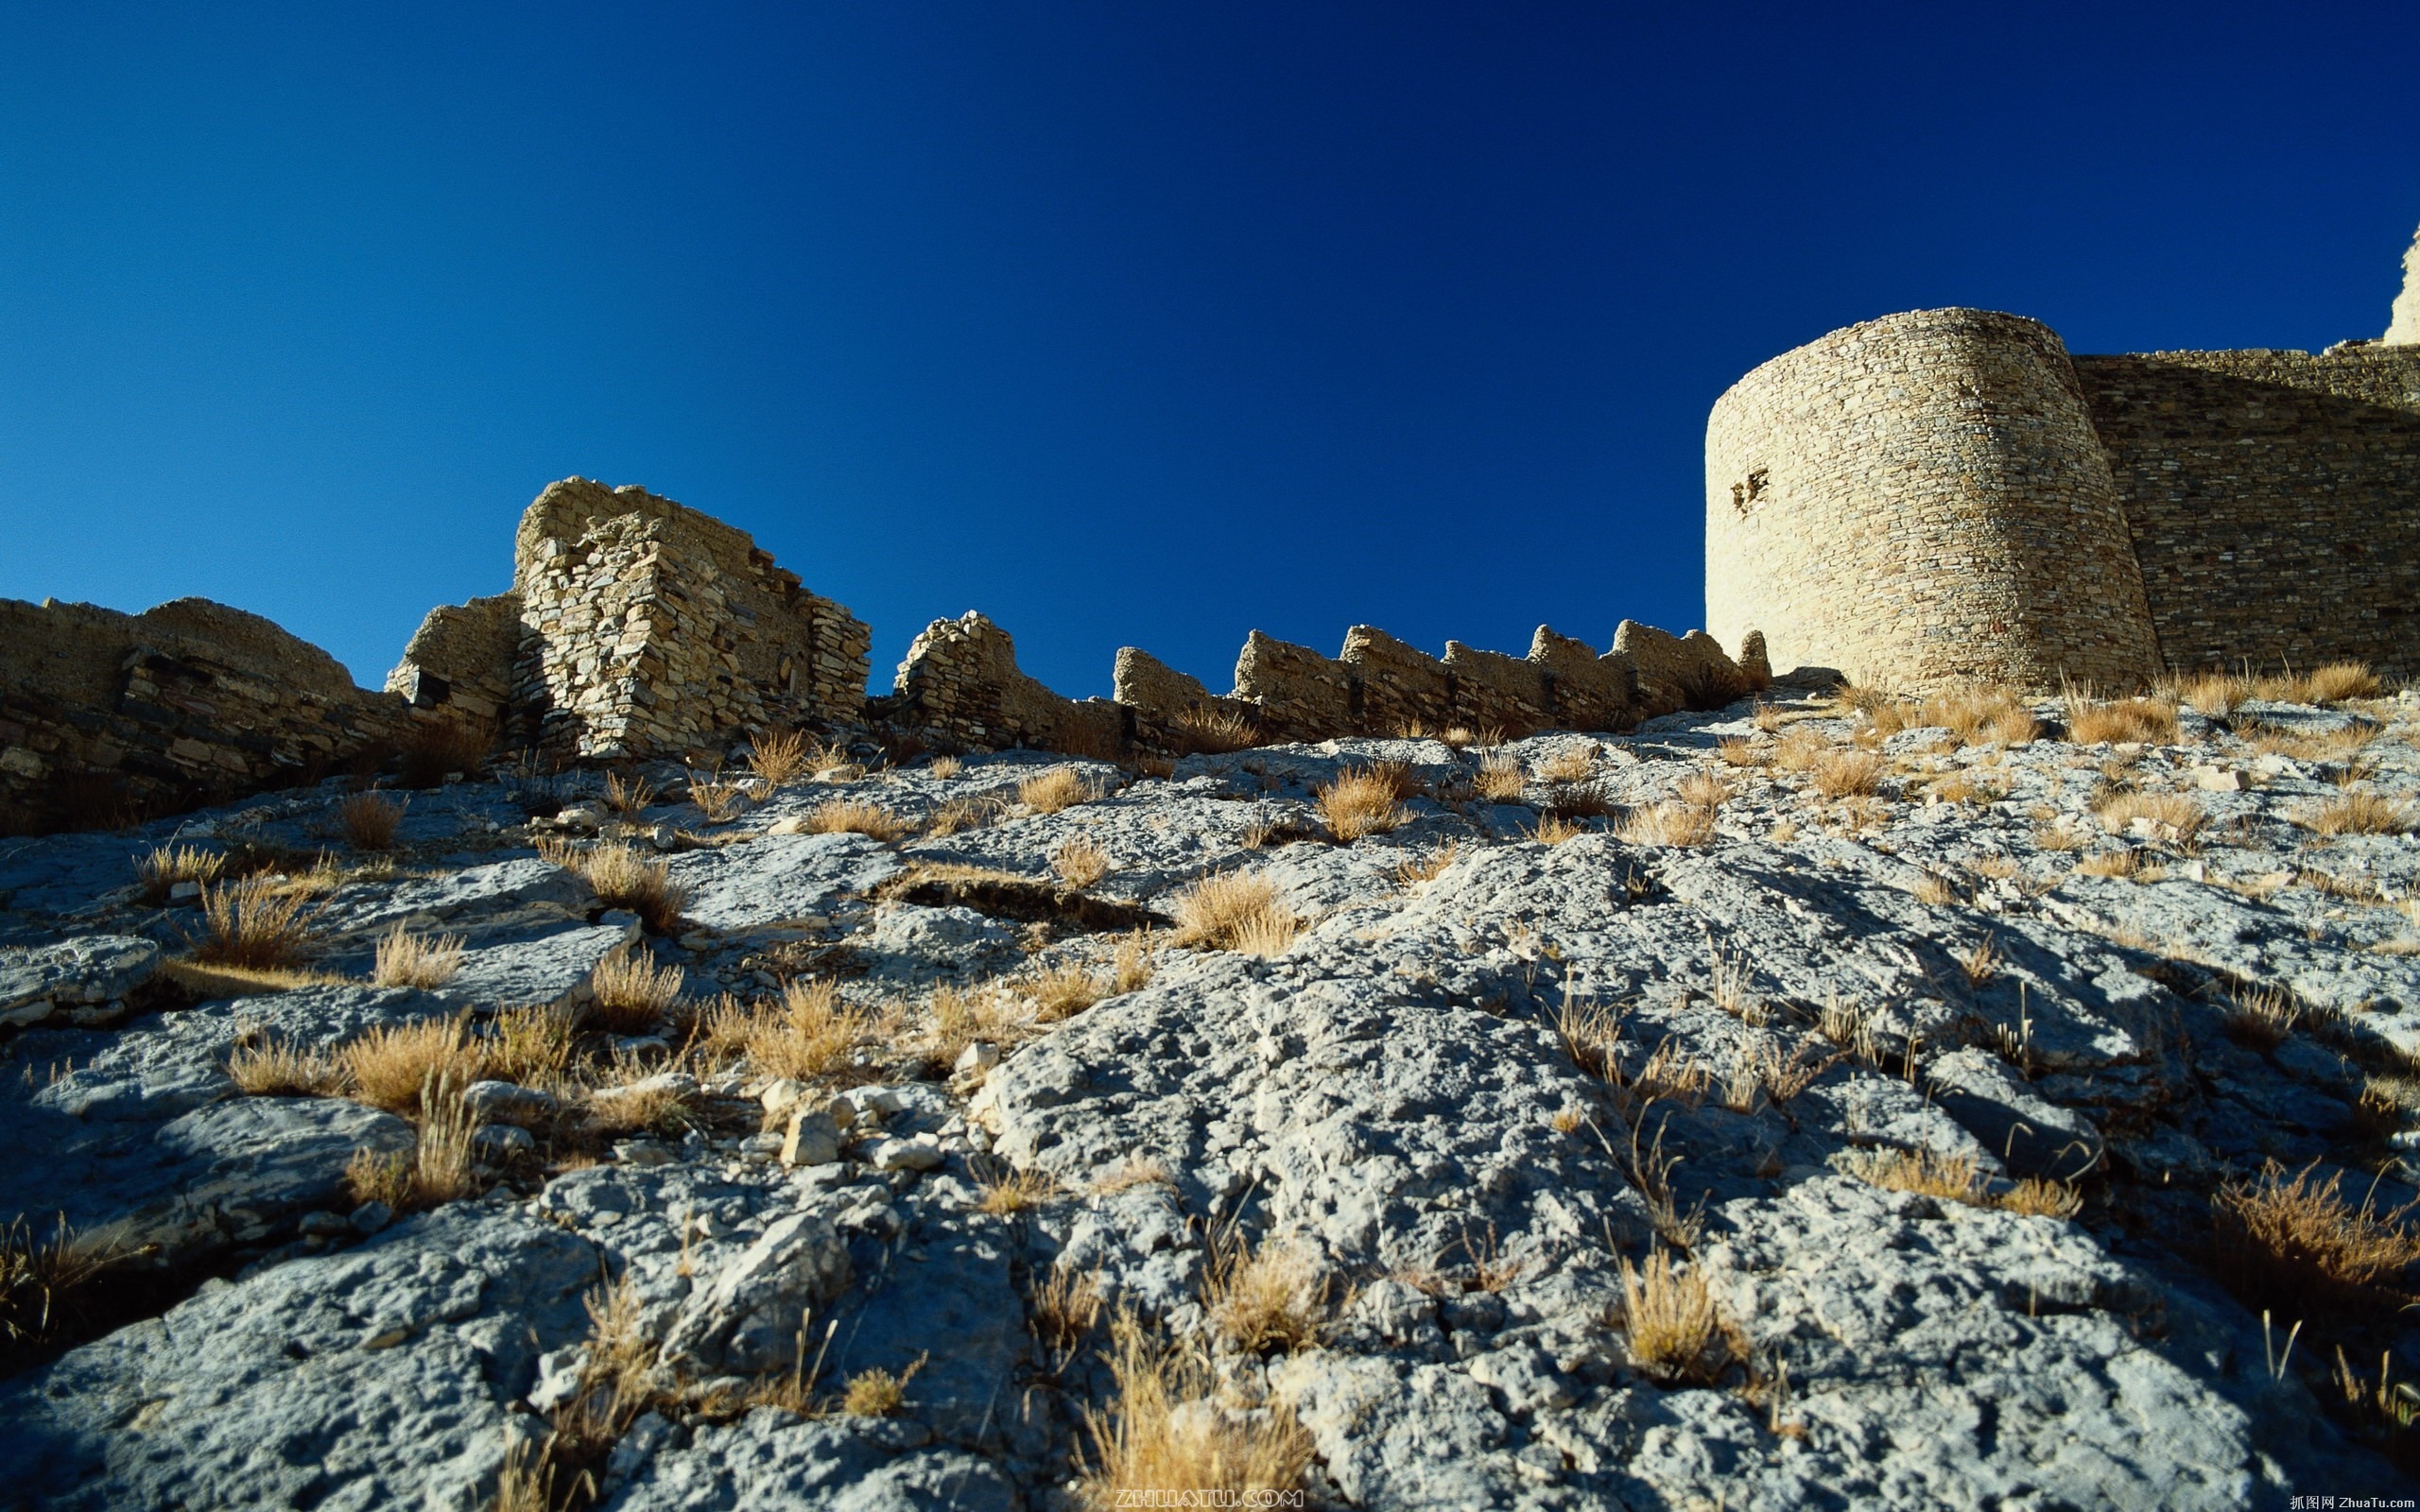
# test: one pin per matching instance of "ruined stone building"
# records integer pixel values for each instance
(1949, 493)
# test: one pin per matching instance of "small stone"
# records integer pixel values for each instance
(323, 1225)
(923, 1153)
(2220, 778)
(491, 1102)
(697, 940)
(498, 1142)
(183, 892)
(978, 1058)
(582, 816)
(782, 1096)
(795, 824)
(643, 1153)
(813, 1139)
(371, 1216)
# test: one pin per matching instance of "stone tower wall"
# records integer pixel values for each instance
(2274, 499)
(1921, 499)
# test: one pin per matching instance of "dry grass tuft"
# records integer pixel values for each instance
(2039, 1198)
(1955, 1177)
(965, 814)
(169, 865)
(390, 1065)
(1065, 991)
(1848, 773)
(2261, 1017)
(1460, 737)
(2181, 814)
(1937, 891)
(1130, 967)
(1169, 1432)
(2213, 693)
(808, 1034)
(2358, 811)
(1066, 1309)
(1574, 764)
(529, 1045)
(1983, 715)
(717, 802)
(1080, 861)
(438, 1170)
(1061, 787)
(1360, 802)
(778, 756)
(1134, 1171)
(1676, 1333)
(279, 1067)
(2340, 680)
(2152, 721)
(1270, 1299)
(1982, 961)
(623, 878)
(2296, 1245)
(876, 1392)
(251, 923)
(425, 961)
(1499, 779)
(1704, 788)
(1005, 1190)
(1667, 824)
(1216, 732)
(370, 820)
(1555, 829)
(1234, 911)
(2122, 864)
(1800, 747)
(852, 816)
(1735, 751)
(630, 994)
(627, 794)
(1427, 866)
(44, 1281)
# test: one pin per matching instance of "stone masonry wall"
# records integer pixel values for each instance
(106, 716)
(1922, 498)
(960, 681)
(652, 629)
(2273, 500)
(461, 660)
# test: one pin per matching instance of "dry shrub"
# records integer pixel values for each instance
(1065, 1308)
(169, 865)
(1735, 751)
(2340, 680)
(1573, 765)
(529, 1045)
(1170, 1432)
(1667, 824)
(1955, 1178)
(1555, 829)
(1848, 773)
(1005, 1190)
(370, 820)
(1080, 861)
(1458, 737)
(1676, 1333)
(1130, 967)
(252, 922)
(1591, 1033)
(2179, 812)
(849, 815)
(1234, 911)
(425, 961)
(2297, 1246)
(717, 802)
(280, 1068)
(942, 768)
(1499, 779)
(1359, 804)
(1427, 866)
(1958, 787)
(1801, 747)
(439, 1168)
(2213, 693)
(1982, 961)
(1983, 715)
(630, 994)
(44, 1280)
(2261, 1017)
(2123, 864)
(1061, 787)
(2040, 1197)
(627, 794)
(2358, 811)
(436, 749)
(623, 878)
(778, 756)
(390, 1065)
(1065, 991)
(1213, 731)
(1704, 788)
(2152, 721)
(1272, 1297)
(878, 1393)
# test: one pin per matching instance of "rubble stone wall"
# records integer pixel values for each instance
(960, 681)
(2273, 500)
(106, 716)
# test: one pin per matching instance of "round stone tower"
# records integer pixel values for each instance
(1922, 499)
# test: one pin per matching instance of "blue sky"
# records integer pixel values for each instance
(1125, 323)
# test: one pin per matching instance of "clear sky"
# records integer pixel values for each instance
(1128, 322)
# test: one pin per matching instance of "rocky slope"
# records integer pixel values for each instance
(1778, 1106)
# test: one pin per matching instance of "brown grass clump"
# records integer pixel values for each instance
(1458, 737)
(425, 961)
(439, 1168)
(1955, 1178)
(2124, 863)
(1848, 773)
(2296, 1245)
(965, 813)
(1499, 779)
(1735, 751)
(1936, 891)
(2340, 680)
(942, 768)
(1234, 911)
(1170, 1433)
(876, 1392)
(1983, 715)
(42, 1282)
(2213, 693)
(2358, 811)
(370, 820)
(1427, 866)
(1061, 787)
(1800, 747)
(2039, 1198)
(630, 994)
(717, 802)
(1667, 824)
(1704, 788)
(2152, 721)
(279, 1067)
(531, 1046)
(1065, 1308)
(627, 794)
(1065, 991)
(1358, 803)
(1555, 829)
(1080, 861)
(778, 756)
(1131, 968)
(2261, 1017)
(1570, 766)
(1134, 1171)
(390, 1065)
(1676, 1333)
(169, 865)
(2179, 812)
(1269, 1298)
(852, 816)
(623, 878)
(436, 749)
(1216, 732)
(251, 923)
(1005, 1190)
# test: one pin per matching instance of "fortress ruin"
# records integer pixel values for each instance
(1948, 494)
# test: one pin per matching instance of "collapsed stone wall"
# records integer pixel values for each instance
(959, 681)
(105, 716)
(2272, 499)
(1922, 498)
